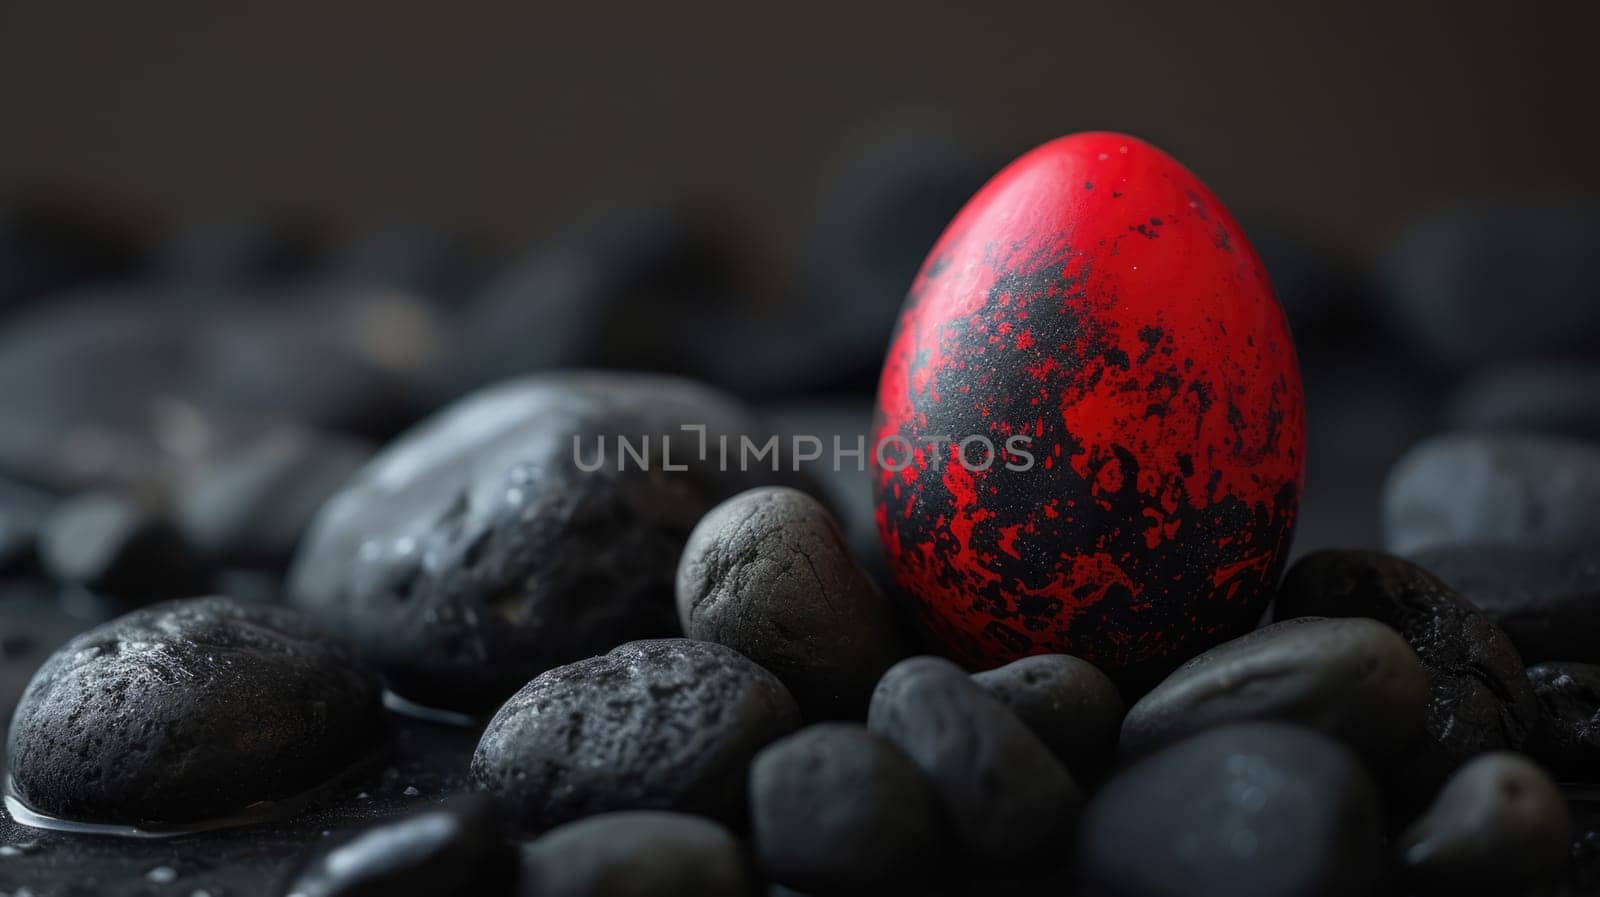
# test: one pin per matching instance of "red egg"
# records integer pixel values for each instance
(1097, 317)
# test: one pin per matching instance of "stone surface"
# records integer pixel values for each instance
(1072, 706)
(1567, 740)
(475, 552)
(836, 809)
(769, 574)
(1353, 679)
(250, 505)
(455, 848)
(1499, 826)
(121, 547)
(1560, 398)
(638, 854)
(1479, 698)
(1251, 809)
(1501, 488)
(138, 721)
(1546, 599)
(1009, 802)
(663, 724)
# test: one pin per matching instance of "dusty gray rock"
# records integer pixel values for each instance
(475, 552)
(1567, 740)
(769, 574)
(1546, 599)
(1353, 679)
(1499, 826)
(638, 854)
(1074, 708)
(1009, 802)
(138, 721)
(1251, 809)
(835, 809)
(663, 724)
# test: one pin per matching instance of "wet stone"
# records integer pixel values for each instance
(476, 551)
(1073, 707)
(1499, 826)
(1009, 802)
(1546, 599)
(835, 809)
(1567, 741)
(1250, 809)
(1353, 679)
(1511, 489)
(663, 724)
(638, 854)
(120, 547)
(1479, 698)
(455, 848)
(137, 721)
(769, 574)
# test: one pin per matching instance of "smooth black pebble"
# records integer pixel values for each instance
(1072, 706)
(836, 809)
(189, 711)
(639, 854)
(1479, 698)
(1500, 825)
(769, 574)
(476, 551)
(1251, 809)
(458, 847)
(1568, 738)
(1009, 801)
(662, 724)
(1353, 679)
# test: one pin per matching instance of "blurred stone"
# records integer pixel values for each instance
(638, 854)
(1559, 398)
(120, 547)
(408, 256)
(238, 250)
(54, 243)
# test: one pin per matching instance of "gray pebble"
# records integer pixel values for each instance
(1546, 599)
(665, 724)
(836, 809)
(638, 854)
(1567, 741)
(768, 573)
(1353, 679)
(1006, 797)
(456, 848)
(1074, 708)
(1499, 826)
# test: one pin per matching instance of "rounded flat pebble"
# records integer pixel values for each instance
(116, 546)
(1546, 599)
(1353, 679)
(836, 809)
(769, 574)
(1074, 708)
(455, 848)
(1499, 826)
(188, 711)
(1567, 741)
(250, 505)
(1479, 698)
(638, 854)
(476, 552)
(663, 724)
(1502, 488)
(1252, 809)
(1006, 797)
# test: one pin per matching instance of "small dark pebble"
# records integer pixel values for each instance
(1251, 809)
(769, 574)
(665, 724)
(455, 848)
(1010, 803)
(1074, 708)
(139, 721)
(1479, 700)
(835, 809)
(1568, 738)
(1546, 599)
(638, 854)
(121, 547)
(1353, 679)
(1514, 489)
(1499, 826)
